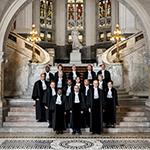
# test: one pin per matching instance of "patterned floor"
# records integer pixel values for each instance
(74, 143)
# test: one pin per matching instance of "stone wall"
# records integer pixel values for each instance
(135, 70)
(15, 73)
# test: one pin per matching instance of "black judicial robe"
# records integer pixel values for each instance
(107, 75)
(104, 85)
(76, 109)
(63, 82)
(67, 107)
(93, 76)
(49, 101)
(96, 116)
(86, 119)
(51, 77)
(71, 76)
(38, 93)
(56, 75)
(110, 107)
(58, 115)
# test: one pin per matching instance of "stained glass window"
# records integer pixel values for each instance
(75, 18)
(47, 20)
(104, 19)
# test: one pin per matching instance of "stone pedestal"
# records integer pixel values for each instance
(75, 57)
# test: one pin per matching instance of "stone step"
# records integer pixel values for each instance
(124, 96)
(21, 114)
(135, 114)
(128, 119)
(134, 124)
(20, 118)
(22, 109)
(127, 130)
(25, 124)
(21, 102)
(26, 130)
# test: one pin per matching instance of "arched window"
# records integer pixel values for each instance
(103, 20)
(75, 17)
(47, 20)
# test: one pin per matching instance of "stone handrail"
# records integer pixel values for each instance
(109, 55)
(21, 43)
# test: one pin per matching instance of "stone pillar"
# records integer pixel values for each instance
(36, 14)
(90, 20)
(148, 101)
(127, 20)
(60, 22)
(115, 13)
(2, 102)
(24, 20)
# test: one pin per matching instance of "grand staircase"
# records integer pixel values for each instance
(132, 116)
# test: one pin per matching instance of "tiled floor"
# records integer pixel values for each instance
(74, 143)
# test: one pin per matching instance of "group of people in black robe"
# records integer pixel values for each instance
(69, 102)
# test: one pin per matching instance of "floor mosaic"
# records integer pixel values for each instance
(74, 143)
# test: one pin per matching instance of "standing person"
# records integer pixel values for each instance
(48, 75)
(86, 89)
(105, 73)
(39, 88)
(95, 104)
(101, 82)
(111, 101)
(67, 90)
(74, 74)
(60, 71)
(49, 102)
(59, 113)
(60, 81)
(76, 109)
(90, 74)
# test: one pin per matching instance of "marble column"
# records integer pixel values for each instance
(148, 101)
(24, 20)
(115, 13)
(127, 20)
(36, 14)
(90, 20)
(60, 22)
(2, 102)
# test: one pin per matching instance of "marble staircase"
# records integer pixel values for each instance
(132, 116)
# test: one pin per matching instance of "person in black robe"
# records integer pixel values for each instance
(85, 90)
(111, 101)
(48, 75)
(60, 71)
(39, 89)
(59, 112)
(49, 102)
(95, 108)
(101, 82)
(60, 81)
(90, 74)
(74, 74)
(67, 90)
(76, 103)
(105, 73)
